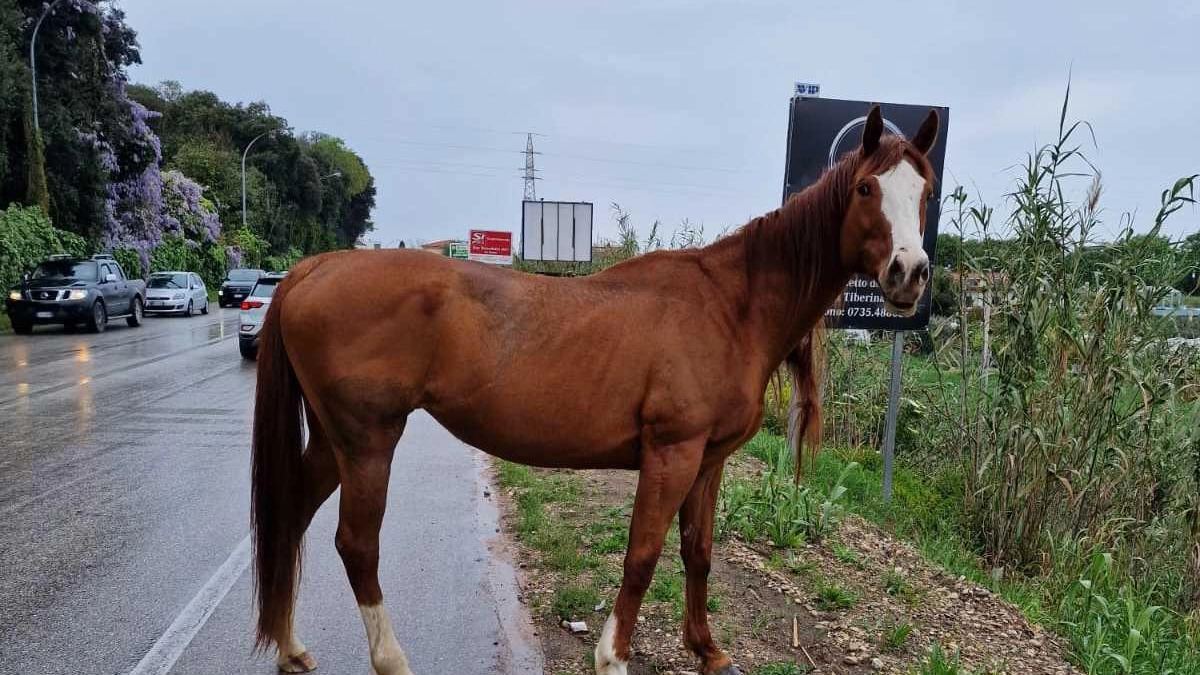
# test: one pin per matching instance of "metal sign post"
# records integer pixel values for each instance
(893, 412)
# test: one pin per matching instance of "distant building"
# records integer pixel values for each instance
(441, 246)
(975, 285)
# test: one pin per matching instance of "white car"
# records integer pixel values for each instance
(254, 311)
(176, 293)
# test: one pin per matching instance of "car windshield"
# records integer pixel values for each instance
(243, 275)
(265, 288)
(66, 269)
(167, 281)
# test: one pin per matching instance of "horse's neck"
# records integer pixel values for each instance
(780, 287)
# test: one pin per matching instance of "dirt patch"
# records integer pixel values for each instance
(858, 602)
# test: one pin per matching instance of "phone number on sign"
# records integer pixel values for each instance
(868, 312)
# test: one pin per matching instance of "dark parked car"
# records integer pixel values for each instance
(68, 290)
(237, 286)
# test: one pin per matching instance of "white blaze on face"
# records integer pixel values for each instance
(607, 662)
(901, 188)
(386, 656)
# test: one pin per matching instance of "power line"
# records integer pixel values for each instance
(481, 148)
(565, 179)
(611, 181)
(505, 132)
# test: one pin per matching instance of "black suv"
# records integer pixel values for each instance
(237, 286)
(68, 290)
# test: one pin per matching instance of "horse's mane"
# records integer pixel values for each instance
(804, 235)
(803, 240)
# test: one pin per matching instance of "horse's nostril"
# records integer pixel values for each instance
(895, 269)
(924, 272)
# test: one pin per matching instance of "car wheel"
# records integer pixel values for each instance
(188, 312)
(99, 319)
(204, 309)
(249, 351)
(135, 318)
(21, 328)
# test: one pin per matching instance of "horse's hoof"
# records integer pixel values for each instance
(728, 670)
(300, 663)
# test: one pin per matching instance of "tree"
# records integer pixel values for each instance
(947, 251)
(1189, 254)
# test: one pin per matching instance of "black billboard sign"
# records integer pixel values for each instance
(820, 130)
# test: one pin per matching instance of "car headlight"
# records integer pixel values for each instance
(178, 296)
(78, 295)
(14, 295)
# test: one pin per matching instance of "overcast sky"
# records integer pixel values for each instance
(675, 109)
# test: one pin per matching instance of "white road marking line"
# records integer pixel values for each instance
(167, 650)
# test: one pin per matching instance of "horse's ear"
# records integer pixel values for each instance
(872, 132)
(927, 134)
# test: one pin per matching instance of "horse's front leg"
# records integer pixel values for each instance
(695, 547)
(667, 474)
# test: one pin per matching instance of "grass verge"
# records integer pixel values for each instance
(1112, 628)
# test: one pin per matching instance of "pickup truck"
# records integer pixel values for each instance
(68, 290)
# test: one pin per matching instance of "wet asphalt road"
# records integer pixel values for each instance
(124, 464)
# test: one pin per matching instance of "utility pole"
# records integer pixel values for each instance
(530, 171)
(33, 62)
(247, 152)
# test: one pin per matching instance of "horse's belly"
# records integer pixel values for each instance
(559, 442)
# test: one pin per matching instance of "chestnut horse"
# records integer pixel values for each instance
(657, 364)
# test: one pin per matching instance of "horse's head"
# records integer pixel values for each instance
(882, 235)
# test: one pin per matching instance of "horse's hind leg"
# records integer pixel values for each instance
(695, 547)
(320, 480)
(364, 471)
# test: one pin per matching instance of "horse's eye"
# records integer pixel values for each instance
(864, 189)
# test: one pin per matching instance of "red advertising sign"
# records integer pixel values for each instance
(490, 246)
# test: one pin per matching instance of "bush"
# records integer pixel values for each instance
(27, 237)
(130, 261)
(282, 263)
(210, 261)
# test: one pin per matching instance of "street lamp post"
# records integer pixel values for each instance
(247, 152)
(33, 62)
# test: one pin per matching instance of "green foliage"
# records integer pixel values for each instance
(14, 102)
(293, 198)
(284, 262)
(253, 247)
(666, 587)
(832, 597)
(1116, 629)
(895, 636)
(895, 584)
(574, 602)
(775, 507)
(938, 663)
(846, 554)
(333, 154)
(131, 262)
(36, 193)
(945, 295)
(1074, 437)
(26, 238)
(218, 169)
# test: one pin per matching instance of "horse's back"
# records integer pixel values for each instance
(535, 369)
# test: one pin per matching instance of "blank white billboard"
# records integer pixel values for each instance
(556, 231)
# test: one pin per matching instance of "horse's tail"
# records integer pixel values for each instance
(806, 365)
(276, 480)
